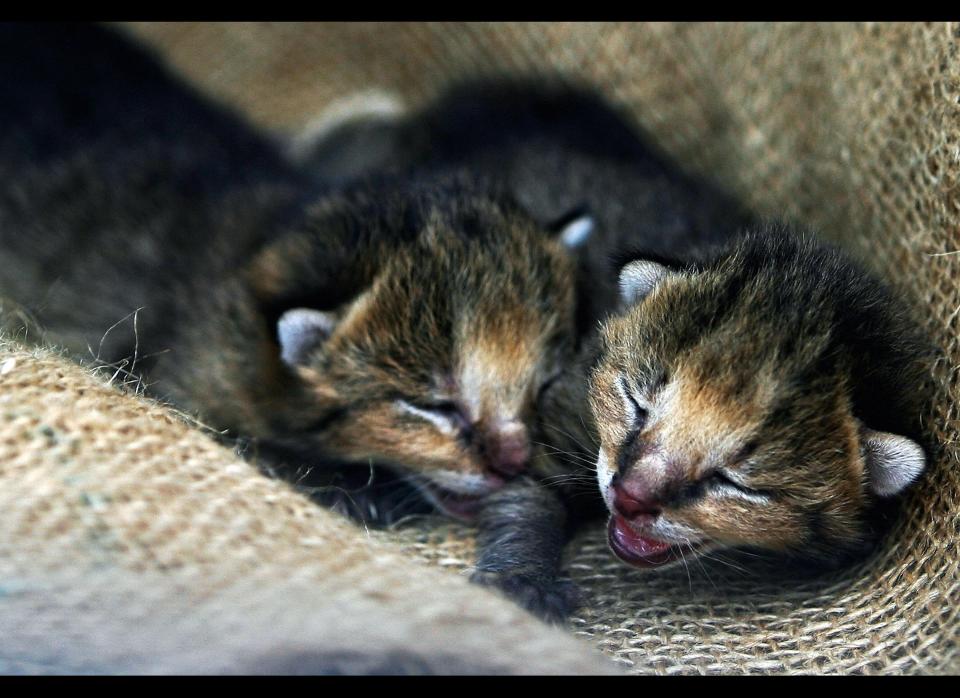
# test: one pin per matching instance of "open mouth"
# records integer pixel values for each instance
(455, 504)
(642, 551)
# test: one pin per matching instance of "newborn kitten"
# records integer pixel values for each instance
(422, 327)
(763, 393)
(409, 322)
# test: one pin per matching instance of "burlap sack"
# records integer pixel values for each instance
(853, 130)
(131, 542)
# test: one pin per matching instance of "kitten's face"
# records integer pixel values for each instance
(726, 423)
(435, 369)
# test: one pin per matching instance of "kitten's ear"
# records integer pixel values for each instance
(893, 462)
(301, 330)
(575, 231)
(638, 278)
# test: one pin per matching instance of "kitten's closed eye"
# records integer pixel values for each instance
(723, 483)
(445, 415)
(638, 413)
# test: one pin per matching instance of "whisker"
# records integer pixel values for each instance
(555, 450)
(588, 432)
(569, 435)
(579, 477)
(579, 462)
(569, 454)
(716, 558)
(696, 557)
(683, 559)
(572, 463)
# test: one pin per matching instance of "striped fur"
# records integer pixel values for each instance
(758, 368)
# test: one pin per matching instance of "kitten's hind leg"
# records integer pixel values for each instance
(522, 532)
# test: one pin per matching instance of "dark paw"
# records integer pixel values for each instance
(551, 600)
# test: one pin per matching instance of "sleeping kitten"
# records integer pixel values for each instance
(763, 394)
(430, 354)
(409, 322)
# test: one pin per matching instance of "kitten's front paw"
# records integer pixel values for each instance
(551, 600)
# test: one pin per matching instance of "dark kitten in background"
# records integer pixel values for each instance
(573, 161)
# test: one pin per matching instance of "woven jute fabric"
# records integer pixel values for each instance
(853, 130)
(131, 542)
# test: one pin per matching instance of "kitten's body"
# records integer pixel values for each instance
(109, 171)
(410, 321)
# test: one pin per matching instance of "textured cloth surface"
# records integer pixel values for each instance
(131, 542)
(853, 130)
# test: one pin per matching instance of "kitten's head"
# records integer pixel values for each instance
(757, 399)
(421, 328)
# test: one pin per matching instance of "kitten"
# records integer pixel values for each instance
(430, 354)
(762, 394)
(736, 413)
(412, 322)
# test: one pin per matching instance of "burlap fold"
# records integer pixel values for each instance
(131, 542)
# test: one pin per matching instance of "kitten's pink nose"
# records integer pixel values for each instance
(634, 502)
(507, 449)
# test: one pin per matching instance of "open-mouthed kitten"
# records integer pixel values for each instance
(430, 355)
(761, 394)
(409, 322)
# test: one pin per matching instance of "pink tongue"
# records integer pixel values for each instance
(629, 541)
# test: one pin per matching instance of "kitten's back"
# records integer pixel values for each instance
(118, 185)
